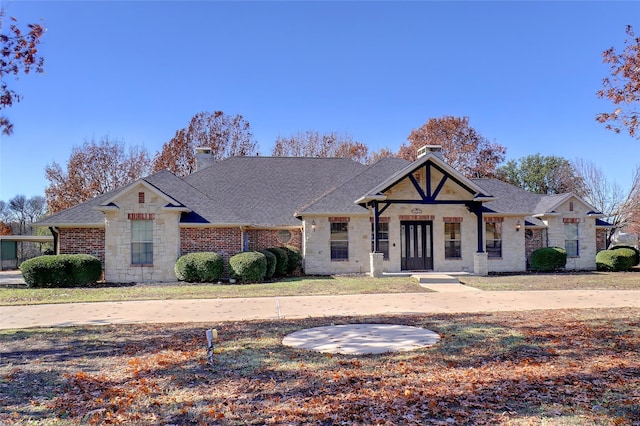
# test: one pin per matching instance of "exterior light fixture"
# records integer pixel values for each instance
(313, 226)
(518, 226)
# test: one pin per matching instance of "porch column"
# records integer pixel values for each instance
(376, 264)
(476, 208)
(376, 227)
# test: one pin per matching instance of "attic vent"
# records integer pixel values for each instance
(141, 197)
(434, 149)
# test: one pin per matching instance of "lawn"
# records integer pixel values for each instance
(570, 367)
(309, 286)
(303, 286)
(585, 280)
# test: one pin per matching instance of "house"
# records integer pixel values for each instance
(344, 216)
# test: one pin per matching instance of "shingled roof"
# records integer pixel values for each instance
(267, 191)
(272, 191)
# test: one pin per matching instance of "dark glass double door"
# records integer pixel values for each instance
(416, 245)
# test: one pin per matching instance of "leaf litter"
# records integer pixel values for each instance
(514, 368)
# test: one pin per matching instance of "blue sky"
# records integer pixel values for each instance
(525, 73)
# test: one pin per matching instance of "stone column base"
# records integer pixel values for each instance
(481, 264)
(376, 264)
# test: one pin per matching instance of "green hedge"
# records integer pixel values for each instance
(618, 259)
(271, 264)
(294, 259)
(199, 267)
(548, 259)
(62, 270)
(635, 250)
(248, 267)
(282, 260)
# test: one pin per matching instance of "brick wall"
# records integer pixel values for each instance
(601, 239)
(264, 238)
(534, 239)
(82, 241)
(225, 241)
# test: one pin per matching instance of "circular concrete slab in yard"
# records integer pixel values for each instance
(360, 339)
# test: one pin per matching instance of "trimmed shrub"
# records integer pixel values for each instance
(199, 267)
(635, 250)
(248, 267)
(86, 269)
(548, 259)
(282, 261)
(295, 259)
(271, 264)
(618, 259)
(62, 270)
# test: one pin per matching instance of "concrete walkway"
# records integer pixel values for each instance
(219, 310)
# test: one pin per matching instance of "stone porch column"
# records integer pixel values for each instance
(481, 263)
(376, 264)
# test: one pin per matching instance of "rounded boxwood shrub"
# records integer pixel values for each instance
(282, 261)
(199, 267)
(618, 259)
(61, 270)
(635, 250)
(294, 260)
(271, 264)
(548, 259)
(248, 267)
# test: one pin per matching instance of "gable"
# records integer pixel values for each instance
(428, 180)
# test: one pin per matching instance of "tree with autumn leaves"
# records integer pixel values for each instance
(623, 87)
(19, 55)
(93, 169)
(463, 147)
(226, 135)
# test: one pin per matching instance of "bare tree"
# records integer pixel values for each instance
(315, 144)
(607, 196)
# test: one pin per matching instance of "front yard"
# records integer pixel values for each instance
(570, 367)
(309, 286)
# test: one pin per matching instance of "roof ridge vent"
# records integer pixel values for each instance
(434, 149)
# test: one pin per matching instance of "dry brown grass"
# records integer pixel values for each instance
(542, 367)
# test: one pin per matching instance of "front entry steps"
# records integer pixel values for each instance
(442, 283)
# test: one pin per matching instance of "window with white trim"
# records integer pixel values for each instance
(142, 242)
(571, 239)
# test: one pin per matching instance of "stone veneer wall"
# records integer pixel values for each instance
(82, 241)
(260, 239)
(139, 203)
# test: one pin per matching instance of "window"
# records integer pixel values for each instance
(493, 238)
(383, 239)
(452, 240)
(339, 241)
(571, 239)
(142, 242)
(141, 197)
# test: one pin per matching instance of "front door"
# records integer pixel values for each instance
(416, 245)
